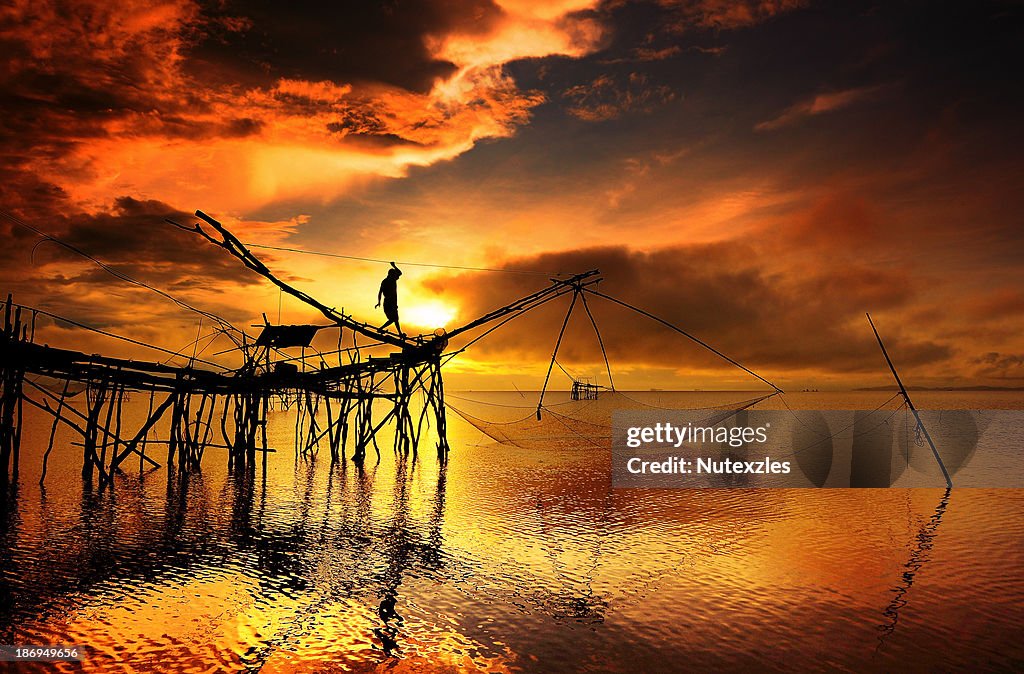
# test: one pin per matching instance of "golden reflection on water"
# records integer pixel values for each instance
(505, 560)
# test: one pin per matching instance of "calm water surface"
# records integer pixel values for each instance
(507, 559)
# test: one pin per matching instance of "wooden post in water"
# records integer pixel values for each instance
(12, 376)
(439, 412)
(53, 430)
(95, 395)
(20, 334)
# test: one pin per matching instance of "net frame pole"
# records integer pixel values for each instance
(554, 354)
(684, 333)
(604, 354)
(910, 403)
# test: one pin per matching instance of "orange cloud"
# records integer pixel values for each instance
(100, 32)
(160, 131)
(604, 98)
(795, 319)
(103, 100)
(525, 30)
(819, 104)
(728, 14)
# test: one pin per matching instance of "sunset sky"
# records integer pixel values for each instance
(759, 172)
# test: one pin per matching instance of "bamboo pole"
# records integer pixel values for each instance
(53, 431)
(554, 354)
(910, 404)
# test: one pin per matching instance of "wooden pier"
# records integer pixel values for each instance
(342, 406)
(199, 408)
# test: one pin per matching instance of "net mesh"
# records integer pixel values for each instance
(573, 423)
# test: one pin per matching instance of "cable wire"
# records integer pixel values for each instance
(118, 274)
(321, 253)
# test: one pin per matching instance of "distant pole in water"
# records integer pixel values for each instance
(910, 404)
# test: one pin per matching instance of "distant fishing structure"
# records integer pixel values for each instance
(203, 404)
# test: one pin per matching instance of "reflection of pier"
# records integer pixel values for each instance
(158, 536)
(202, 404)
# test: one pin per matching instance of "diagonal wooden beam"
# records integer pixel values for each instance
(237, 249)
(132, 445)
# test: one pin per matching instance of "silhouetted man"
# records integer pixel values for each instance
(389, 291)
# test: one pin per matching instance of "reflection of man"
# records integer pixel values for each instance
(388, 633)
(389, 291)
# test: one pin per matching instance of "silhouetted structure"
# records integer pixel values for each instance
(215, 406)
(584, 389)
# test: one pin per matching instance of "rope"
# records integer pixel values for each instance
(554, 354)
(491, 329)
(565, 372)
(112, 335)
(511, 407)
(684, 334)
(405, 264)
(604, 354)
(723, 406)
(194, 344)
(847, 427)
(119, 275)
(467, 416)
(797, 417)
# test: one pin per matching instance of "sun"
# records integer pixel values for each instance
(430, 314)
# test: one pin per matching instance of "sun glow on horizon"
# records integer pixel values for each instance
(430, 314)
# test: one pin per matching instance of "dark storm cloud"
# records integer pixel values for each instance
(133, 238)
(725, 14)
(997, 365)
(340, 41)
(722, 292)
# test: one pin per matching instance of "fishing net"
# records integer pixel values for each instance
(587, 421)
(572, 423)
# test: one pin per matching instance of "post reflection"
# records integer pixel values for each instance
(919, 556)
(342, 540)
(9, 530)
